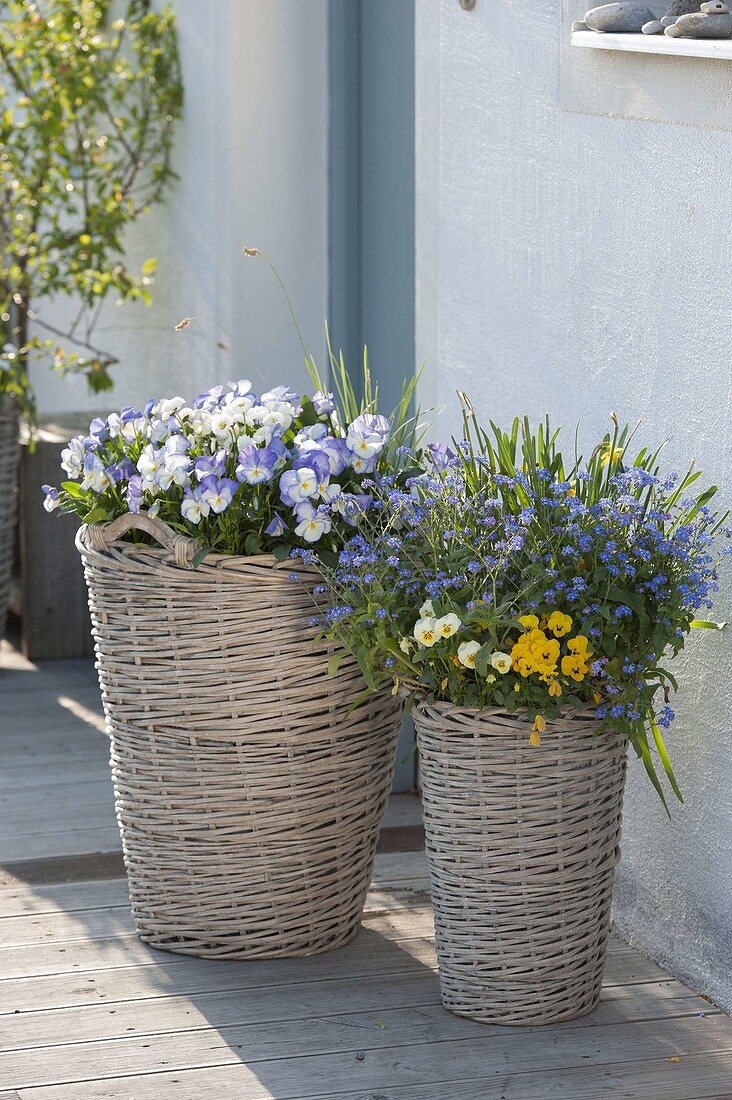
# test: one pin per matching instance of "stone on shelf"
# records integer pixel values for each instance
(675, 9)
(712, 21)
(620, 18)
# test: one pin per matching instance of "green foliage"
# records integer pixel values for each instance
(517, 577)
(88, 104)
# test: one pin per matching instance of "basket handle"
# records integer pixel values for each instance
(183, 548)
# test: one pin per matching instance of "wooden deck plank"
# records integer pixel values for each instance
(127, 950)
(368, 955)
(35, 805)
(261, 1004)
(694, 1077)
(80, 771)
(100, 837)
(163, 973)
(406, 1047)
(124, 949)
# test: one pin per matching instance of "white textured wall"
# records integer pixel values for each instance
(251, 156)
(577, 264)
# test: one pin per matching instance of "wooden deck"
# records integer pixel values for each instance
(89, 1013)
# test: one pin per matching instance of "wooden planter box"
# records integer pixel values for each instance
(48, 593)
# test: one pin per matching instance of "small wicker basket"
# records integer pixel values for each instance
(9, 455)
(250, 785)
(522, 845)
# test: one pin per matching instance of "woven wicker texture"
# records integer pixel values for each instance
(9, 454)
(522, 845)
(249, 800)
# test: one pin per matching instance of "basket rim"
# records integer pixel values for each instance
(453, 712)
(121, 548)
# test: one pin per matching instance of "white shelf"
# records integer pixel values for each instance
(720, 48)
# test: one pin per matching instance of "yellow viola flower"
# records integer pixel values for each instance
(537, 729)
(529, 622)
(546, 651)
(574, 666)
(559, 624)
(597, 697)
(577, 644)
(610, 454)
(555, 688)
(517, 687)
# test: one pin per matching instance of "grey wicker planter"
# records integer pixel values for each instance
(522, 845)
(9, 455)
(249, 799)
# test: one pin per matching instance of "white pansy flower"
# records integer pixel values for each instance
(262, 437)
(221, 423)
(448, 625)
(140, 425)
(313, 524)
(501, 661)
(72, 458)
(95, 477)
(425, 631)
(330, 494)
(149, 463)
(254, 415)
(170, 406)
(466, 653)
(114, 425)
(238, 406)
(362, 465)
(426, 611)
(194, 509)
(405, 644)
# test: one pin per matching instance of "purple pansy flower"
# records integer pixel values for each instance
(218, 493)
(276, 528)
(256, 464)
(324, 403)
(297, 485)
(211, 465)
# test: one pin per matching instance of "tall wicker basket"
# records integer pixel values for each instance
(250, 785)
(522, 845)
(9, 454)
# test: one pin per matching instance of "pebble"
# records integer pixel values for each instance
(713, 21)
(621, 18)
(673, 11)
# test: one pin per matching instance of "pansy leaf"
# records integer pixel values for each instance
(281, 551)
(96, 515)
(199, 555)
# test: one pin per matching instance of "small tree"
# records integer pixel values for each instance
(88, 104)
